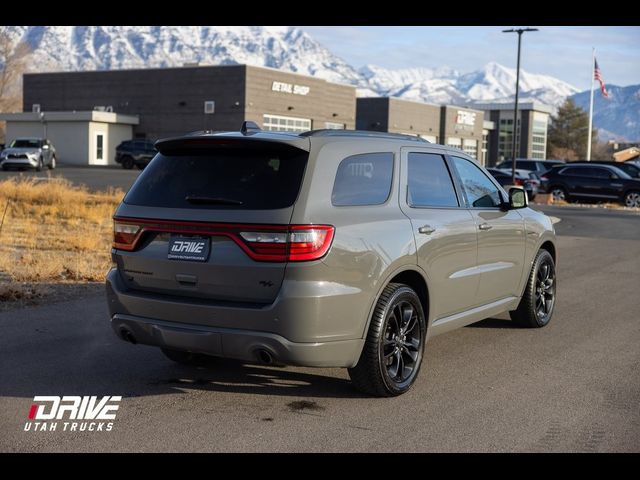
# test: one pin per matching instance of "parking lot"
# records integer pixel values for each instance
(572, 386)
(94, 178)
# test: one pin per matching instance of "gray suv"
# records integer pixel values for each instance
(29, 152)
(327, 248)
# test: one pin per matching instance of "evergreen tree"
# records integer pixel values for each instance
(568, 133)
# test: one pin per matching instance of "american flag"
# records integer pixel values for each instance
(598, 76)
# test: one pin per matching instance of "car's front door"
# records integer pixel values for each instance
(501, 234)
(444, 229)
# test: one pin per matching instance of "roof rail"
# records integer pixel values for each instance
(361, 133)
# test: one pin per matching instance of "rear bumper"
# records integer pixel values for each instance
(295, 330)
(232, 343)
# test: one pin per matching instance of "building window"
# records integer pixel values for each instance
(278, 123)
(454, 142)
(99, 146)
(334, 126)
(470, 147)
(485, 147)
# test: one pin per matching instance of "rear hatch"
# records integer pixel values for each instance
(209, 217)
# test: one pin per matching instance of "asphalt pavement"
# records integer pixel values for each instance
(571, 386)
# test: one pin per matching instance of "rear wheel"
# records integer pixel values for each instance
(539, 299)
(184, 358)
(559, 194)
(392, 354)
(127, 163)
(5, 168)
(632, 199)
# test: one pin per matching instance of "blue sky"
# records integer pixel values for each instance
(562, 52)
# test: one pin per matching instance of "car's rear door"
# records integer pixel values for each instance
(501, 234)
(196, 209)
(444, 230)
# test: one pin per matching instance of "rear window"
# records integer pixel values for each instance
(363, 179)
(247, 179)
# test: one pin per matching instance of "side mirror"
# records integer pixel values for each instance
(45, 147)
(517, 198)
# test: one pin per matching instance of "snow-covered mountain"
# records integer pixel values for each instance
(618, 117)
(287, 48)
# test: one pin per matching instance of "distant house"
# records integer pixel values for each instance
(631, 153)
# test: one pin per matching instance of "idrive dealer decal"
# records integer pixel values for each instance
(72, 413)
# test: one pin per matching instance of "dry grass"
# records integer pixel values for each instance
(53, 232)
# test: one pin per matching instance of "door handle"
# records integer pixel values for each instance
(426, 229)
(485, 226)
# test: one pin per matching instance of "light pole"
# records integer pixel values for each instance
(519, 31)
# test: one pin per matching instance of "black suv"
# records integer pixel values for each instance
(593, 182)
(135, 152)
(629, 168)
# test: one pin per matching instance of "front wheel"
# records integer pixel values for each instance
(40, 165)
(632, 199)
(539, 299)
(52, 164)
(392, 354)
(559, 194)
(127, 163)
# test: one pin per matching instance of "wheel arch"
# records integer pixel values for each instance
(411, 276)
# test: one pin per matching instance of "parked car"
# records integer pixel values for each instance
(28, 152)
(526, 166)
(328, 248)
(505, 179)
(135, 152)
(629, 168)
(593, 182)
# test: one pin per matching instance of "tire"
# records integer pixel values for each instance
(40, 165)
(184, 358)
(140, 166)
(539, 299)
(632, 199)
(127, 163)
(559, 194)
(382, 378)
(5, 168)
(52, 164)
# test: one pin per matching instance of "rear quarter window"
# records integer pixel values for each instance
(363, 179)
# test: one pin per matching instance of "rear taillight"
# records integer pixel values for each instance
(125, 235)
(299, 243)
(265, 243)
(544, 179)
(518, 181)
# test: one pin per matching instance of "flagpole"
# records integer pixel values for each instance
(593, 66)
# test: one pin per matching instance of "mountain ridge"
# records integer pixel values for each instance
(292, 49)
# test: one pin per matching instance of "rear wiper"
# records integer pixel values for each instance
(203, 200)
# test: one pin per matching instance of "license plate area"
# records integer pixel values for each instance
(189, 248)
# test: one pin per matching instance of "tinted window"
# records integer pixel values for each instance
(573, 171)
(481, 192)
(629, 169)
(599, 173)
(251, 179)
(25, 143)
(430, 184)
(363, 180)
(526, 165)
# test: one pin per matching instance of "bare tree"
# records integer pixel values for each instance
(13, 63)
